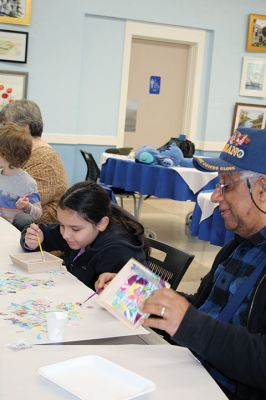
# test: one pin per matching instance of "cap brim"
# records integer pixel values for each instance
(213, 165)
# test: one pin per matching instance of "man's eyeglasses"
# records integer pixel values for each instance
(227, 187)
(222, 187)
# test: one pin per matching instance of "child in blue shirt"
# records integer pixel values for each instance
(18, 190)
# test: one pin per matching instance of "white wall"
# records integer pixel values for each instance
(75, 63)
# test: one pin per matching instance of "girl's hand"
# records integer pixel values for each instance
(103, 280)
(32, 234)
(23, 204)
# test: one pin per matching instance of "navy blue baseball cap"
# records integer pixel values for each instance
(245, 150)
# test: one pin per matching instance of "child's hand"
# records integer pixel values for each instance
(103, 280)
(23, 204)
(32, 234)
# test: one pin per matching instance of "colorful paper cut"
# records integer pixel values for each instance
(31, 314)
(11, 282)
(128, 291)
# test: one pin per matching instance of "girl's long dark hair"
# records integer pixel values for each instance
(93, 203)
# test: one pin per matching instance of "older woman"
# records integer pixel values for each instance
(44, 165)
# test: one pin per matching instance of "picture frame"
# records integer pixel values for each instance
(125, 294)
(15, 12)
(249, 116)
(13, 46)
(13, 86)
(253, 78)
(257, 33)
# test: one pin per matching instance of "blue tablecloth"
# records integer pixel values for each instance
(148, 180)
(211, 229)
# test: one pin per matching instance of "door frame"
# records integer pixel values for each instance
(195, 40)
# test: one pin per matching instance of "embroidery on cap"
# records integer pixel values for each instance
(203, 162)
(240, 154)
(237, 139)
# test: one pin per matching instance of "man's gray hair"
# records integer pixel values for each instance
(250, 174)
(23, 112)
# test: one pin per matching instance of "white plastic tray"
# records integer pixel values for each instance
(93, 377)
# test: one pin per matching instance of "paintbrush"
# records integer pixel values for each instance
(98, 291)
(40, 247)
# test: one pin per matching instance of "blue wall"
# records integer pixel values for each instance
(75, 62)
(75, 165)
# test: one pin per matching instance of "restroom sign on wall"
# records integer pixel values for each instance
(155, 85)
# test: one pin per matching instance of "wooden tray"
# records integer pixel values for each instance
(32, 262)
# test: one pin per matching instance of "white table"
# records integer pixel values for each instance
(174, 370)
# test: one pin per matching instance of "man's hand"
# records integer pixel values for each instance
(169, 305)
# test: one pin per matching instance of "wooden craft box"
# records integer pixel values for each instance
(33, 263)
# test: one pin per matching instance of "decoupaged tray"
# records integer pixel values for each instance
(33, 262)
(125, 294)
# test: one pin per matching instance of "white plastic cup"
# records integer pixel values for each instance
(56, 325)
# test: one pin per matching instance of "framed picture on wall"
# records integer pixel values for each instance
(249, 116)
(257, 33)
(13, 86)
(253, 79)
(15, 12)
(13, 46)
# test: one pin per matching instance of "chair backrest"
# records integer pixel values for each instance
(174, 265)
(93, 171)
(123, 151)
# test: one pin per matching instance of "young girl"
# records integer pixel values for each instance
(95, 235)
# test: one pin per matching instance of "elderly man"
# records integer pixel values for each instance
(224, 323)
(44, 165)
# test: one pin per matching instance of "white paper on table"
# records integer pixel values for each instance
(105, 156)
(93, 322)
(206, 205)
(194, 178)
(9, 244)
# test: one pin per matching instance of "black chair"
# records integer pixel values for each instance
(93, 171)
(172, 269)
(93, 174)
(174, 264)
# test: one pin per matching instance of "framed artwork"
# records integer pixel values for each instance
(13, 86)
(249, 116)
(15, 12)
(257, 33)
(13, 46)
(253, 79)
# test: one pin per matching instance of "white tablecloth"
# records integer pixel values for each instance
(206, 205)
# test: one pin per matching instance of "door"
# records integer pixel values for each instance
(156, 92)
(190, 41)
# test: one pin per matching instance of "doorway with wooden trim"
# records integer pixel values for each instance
(158, 118)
